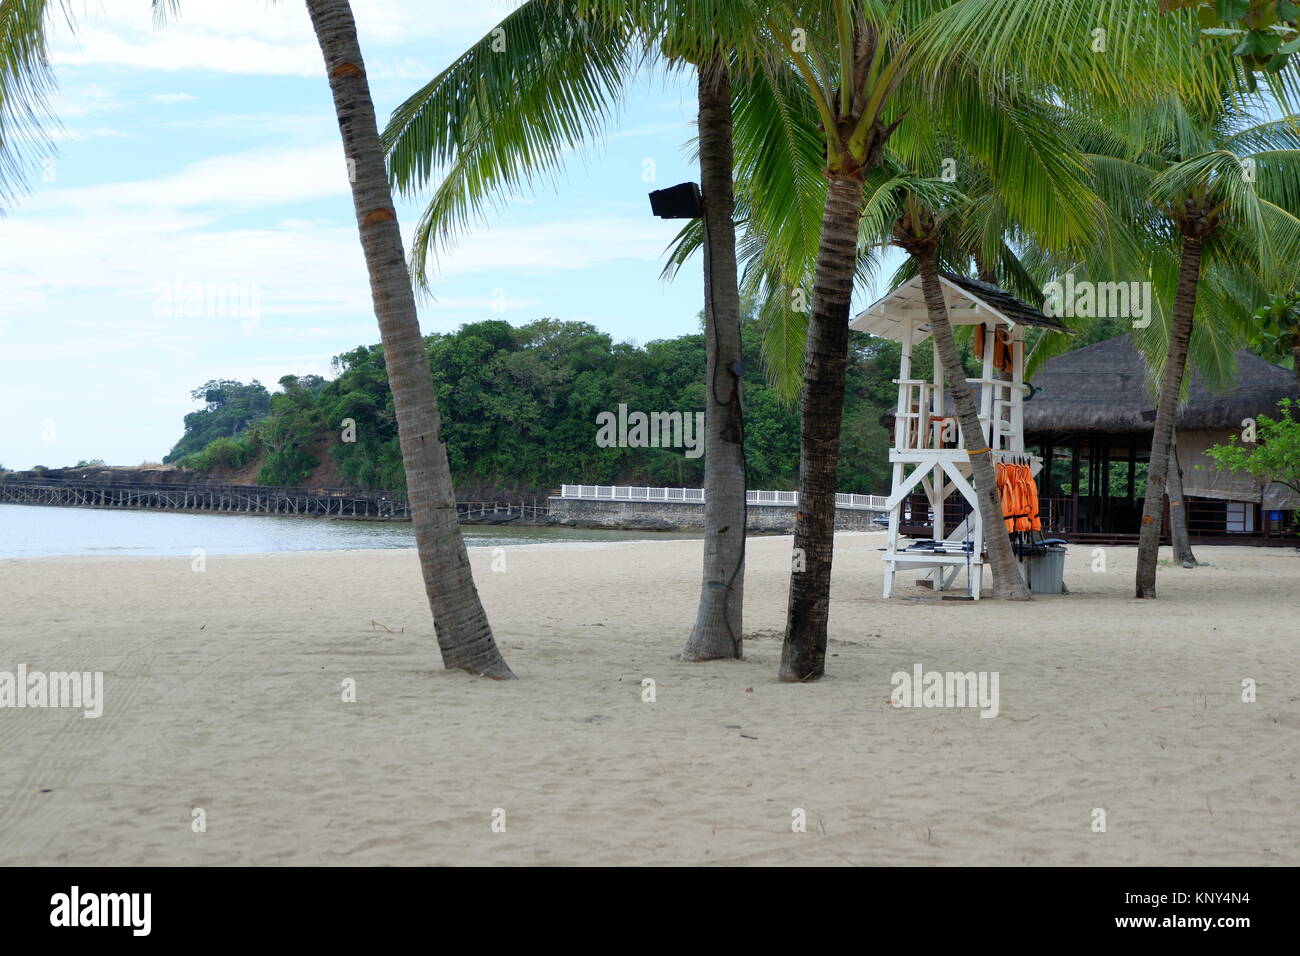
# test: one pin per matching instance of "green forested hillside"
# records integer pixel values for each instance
(520, 407)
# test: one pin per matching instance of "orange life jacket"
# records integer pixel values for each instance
(1001, 347)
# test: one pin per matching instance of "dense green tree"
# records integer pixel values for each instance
(290, 431)
(229, 407)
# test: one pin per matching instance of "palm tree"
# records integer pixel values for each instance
(895, 60)
(497, 117)
(1201, 192)
(719, 627)
(464, 635)
(917, 232)
(1179, 537)
(970, 230)
(938, 226)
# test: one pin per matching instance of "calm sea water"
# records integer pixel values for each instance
(28, 531)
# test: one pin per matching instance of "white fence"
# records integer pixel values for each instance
(696, 496)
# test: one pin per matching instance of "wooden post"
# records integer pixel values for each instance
(1105, 483)
(1132, 464)
(1074, 484)
(988, 394)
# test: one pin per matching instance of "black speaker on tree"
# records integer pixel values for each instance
(677, 202)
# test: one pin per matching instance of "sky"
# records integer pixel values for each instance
(203, 156)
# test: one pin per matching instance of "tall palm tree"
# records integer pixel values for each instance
(1179, 537)
(917, 232)
(497, 118)
(719, 621)
(464, 635)
(1221, 322)
(1202, 192)
(870, 65)
(964, 226)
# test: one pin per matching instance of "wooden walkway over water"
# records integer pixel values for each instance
(242, 499)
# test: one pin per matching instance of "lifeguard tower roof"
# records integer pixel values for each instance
(970, 302)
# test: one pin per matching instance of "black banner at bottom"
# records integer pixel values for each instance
(340, 905)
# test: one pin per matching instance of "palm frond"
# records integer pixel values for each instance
(505, 115)
(26, 81)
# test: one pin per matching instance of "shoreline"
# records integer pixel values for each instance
(650, 526)
(544, 546)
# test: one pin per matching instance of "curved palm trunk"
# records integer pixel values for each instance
(1189, 274)
(718, 630)
(464, 636)
(803, 655)
(1178, 535)
(1007, 580)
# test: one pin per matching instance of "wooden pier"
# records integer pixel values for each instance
(204, 497)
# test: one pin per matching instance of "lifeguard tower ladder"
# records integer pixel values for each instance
(929, 451)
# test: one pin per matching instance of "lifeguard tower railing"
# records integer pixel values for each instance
(923, 423)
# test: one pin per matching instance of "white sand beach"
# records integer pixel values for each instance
(223, 691)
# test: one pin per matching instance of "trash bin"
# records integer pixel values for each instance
(1045, 570)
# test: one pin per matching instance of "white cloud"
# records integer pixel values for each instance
(73, 134)
(180, 48)
(481, 304)
(584, 243)
(83, 100)
(172, 98)
(232, 182)
(254, 37)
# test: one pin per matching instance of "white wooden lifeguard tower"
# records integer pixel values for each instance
(929, 450)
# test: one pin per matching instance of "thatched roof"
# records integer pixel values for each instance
(1104, 388)
(969, 302)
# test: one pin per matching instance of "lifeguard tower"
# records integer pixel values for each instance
(929, 452)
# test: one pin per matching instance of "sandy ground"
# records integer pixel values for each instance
(224, 692)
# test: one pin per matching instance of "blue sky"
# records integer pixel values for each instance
(205, 153)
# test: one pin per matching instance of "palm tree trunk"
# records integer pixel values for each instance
(1178, 535)
(1295, 357)
(1007, 580)
(803, 655)
(1189, 274)
(718, 630)
(464, 635)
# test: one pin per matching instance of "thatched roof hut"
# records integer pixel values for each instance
(1106, 388)
(1094, 410)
